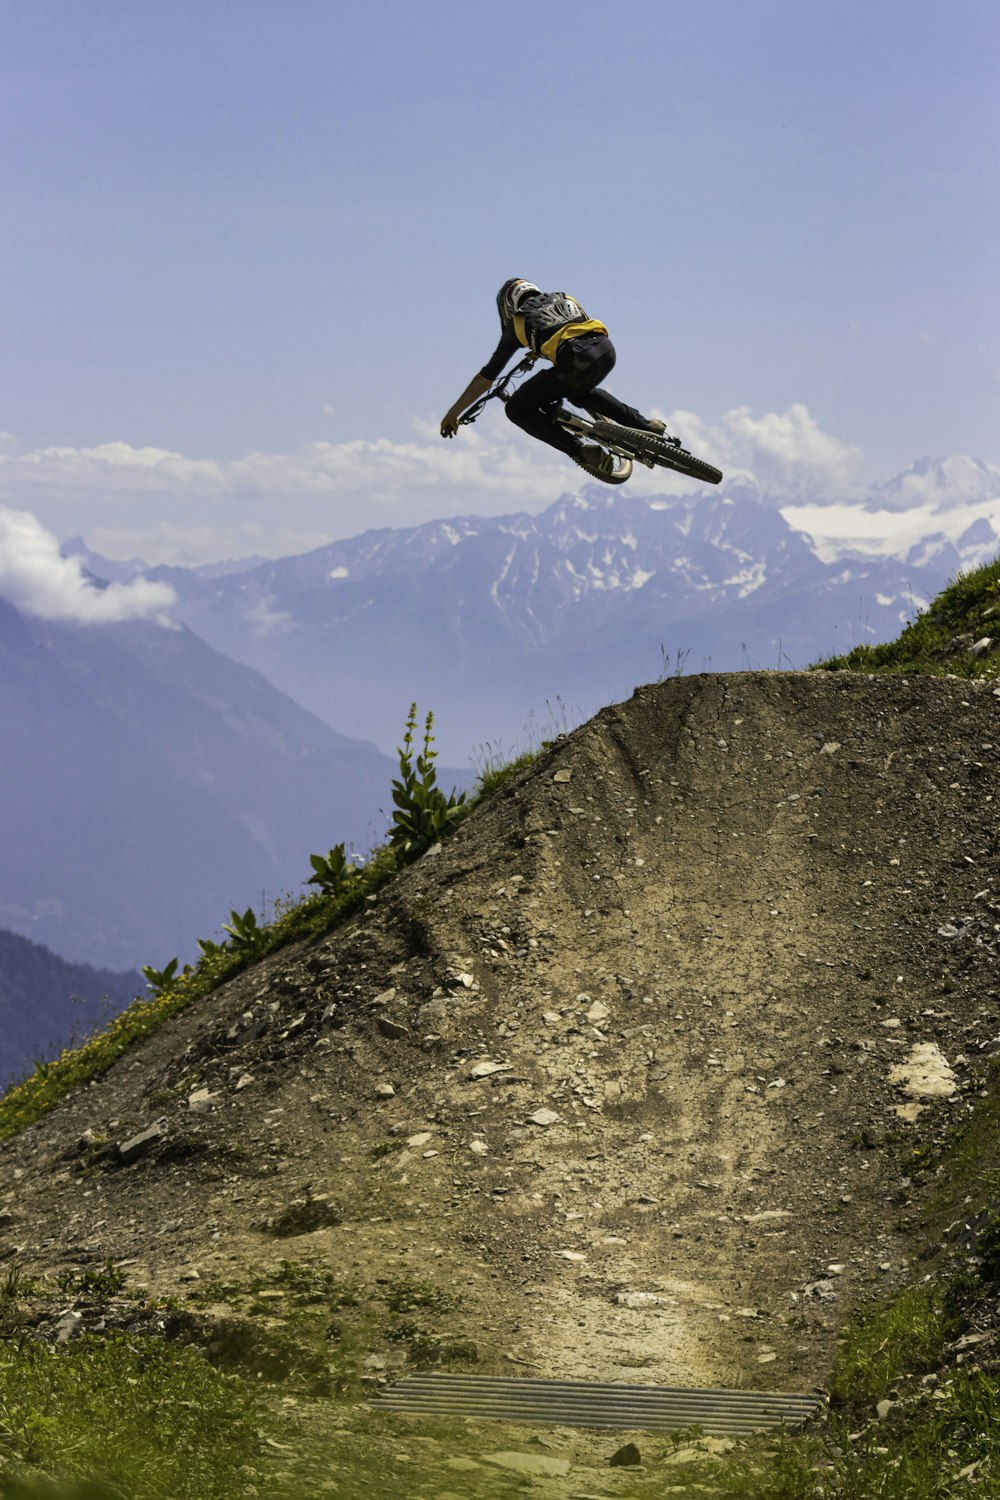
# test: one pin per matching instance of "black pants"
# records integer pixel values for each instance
(581, 364)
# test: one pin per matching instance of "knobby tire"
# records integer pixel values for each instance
(648, 445)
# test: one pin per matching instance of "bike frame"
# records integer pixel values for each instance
(632, 446)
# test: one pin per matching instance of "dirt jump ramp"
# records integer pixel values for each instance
(628, 1063)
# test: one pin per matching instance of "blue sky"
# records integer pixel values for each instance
(249, 248)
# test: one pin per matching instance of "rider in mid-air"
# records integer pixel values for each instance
(554, 326)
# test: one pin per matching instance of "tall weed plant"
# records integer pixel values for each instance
(422, 815)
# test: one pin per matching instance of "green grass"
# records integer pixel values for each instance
(970, 605)
(149, 1420)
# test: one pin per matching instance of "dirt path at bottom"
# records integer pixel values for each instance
(601, 1087)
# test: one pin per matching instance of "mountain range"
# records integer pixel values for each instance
(508, 625)
(47, 1003)
(160, 775)
(152, 785)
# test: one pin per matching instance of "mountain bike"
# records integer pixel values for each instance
(628, 444)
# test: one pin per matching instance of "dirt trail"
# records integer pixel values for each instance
(691, 942)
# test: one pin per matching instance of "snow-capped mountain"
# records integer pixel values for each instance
(944, 484)
(491, 622)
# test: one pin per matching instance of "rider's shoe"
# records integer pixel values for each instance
(596, 460)
(660, 430)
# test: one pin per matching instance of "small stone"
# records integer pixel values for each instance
(625, 1457)
(392, 1029)
(479, 1148)
(420, 1139)
(823, 1291)
(201, 1101)
(926, 1073)
(137, 1145)
(574, 1255)
(384, 1091)
(638, 1300)
(190, 1274)
(883, 1408)
(563, 776)
(385, 997)
(598, 1012)
(244, 1081)
(487, 1069)
(302, 1216)
(528, 1463)
(543, 1117)
(68, 1324)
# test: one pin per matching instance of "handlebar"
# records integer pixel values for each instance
(499, 389)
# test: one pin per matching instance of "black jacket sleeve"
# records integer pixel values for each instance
(507, 346)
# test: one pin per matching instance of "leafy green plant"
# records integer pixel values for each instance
(245, 935)
(423, 813)
(104, 1281)
(332, 872)
(161, 981)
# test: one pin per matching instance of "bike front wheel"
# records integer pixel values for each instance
(647, 447)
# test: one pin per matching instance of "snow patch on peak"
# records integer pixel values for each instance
(947, 482)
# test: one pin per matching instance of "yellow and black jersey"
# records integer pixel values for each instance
(542, 323)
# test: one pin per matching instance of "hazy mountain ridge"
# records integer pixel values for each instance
(487, 620)
(45, 1002)
(158, 785)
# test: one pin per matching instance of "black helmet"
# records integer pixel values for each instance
(509, 297)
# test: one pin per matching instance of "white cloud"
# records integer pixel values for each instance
(784, 453)
(38, 580)
(275, 504)
(788, 449)
(379, 470)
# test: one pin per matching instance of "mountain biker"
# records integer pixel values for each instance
(554, 326)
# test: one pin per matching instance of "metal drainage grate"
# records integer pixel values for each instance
(582, 1403)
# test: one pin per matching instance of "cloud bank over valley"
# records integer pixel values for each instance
(38, 580)
(276, 504)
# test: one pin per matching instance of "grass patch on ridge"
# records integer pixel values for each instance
(931, 644)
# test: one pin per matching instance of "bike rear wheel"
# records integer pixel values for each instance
(647, 446)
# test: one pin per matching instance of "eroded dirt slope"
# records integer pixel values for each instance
(638, 1019)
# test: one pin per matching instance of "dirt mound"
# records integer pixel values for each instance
(617, 1084)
